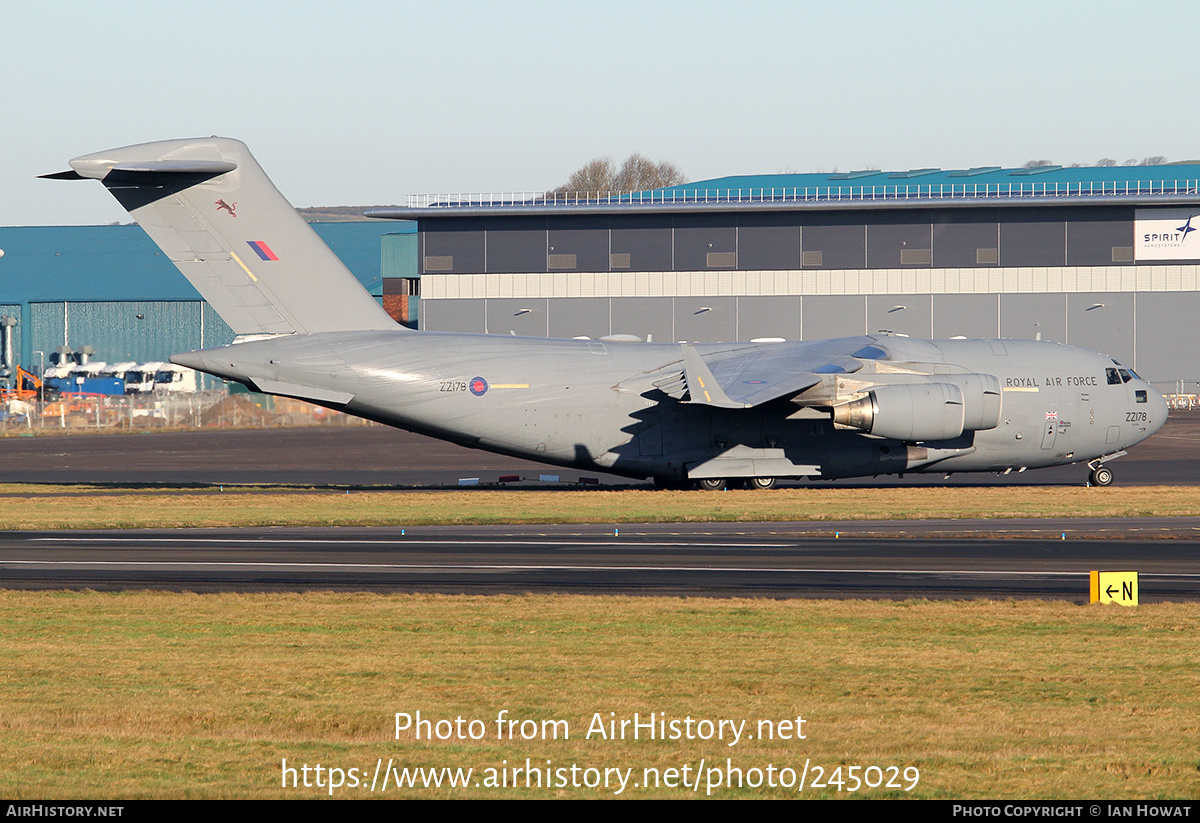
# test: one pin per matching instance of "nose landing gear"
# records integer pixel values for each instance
(1101, 475)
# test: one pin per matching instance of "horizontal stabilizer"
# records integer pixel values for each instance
(100, 169)
(324, 396)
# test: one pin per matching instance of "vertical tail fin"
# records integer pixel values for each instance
(212, 210)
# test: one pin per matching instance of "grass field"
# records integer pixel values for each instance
(174, 695)
(75, 507)
(142, 695)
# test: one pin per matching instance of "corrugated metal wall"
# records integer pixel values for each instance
(751, 241)
(1157, 333)
(109, 287)
(133, 330)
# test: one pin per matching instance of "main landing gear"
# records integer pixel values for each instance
(716, 484)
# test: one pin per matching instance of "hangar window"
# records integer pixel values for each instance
(986, 257)
(914, 257)
(619, 261)
(812, 258)
(1122, 254)
(439, 262)
(410, 286)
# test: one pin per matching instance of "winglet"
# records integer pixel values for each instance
(702, 386)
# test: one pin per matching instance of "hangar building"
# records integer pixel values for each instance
(1104, 258)
(110, 288)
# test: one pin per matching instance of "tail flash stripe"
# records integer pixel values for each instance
(262, 249)
(238, 260)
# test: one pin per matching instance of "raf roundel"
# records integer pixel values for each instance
(479, 386)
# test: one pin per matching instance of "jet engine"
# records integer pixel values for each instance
(915, 412)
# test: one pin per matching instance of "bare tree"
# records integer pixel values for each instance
(1106, 162)
(594, 176)
(1156, 160)
(1034, 164)
(637, 173)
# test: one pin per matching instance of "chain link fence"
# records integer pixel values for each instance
(82, 413)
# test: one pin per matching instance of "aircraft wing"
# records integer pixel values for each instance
(752, 375)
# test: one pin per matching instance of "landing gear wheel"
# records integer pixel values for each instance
(711, 484)
(761, 482)
(1101, 476)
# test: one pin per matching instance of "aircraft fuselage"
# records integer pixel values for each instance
(597, 405)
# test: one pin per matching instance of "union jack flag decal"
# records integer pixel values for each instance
(1051, 415)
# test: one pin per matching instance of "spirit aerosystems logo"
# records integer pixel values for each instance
(1186, 228)
(1166, 234)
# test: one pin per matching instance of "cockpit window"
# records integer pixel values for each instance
(1139, 396)
(1123, 369)
(1114, 379)
(1125, 375)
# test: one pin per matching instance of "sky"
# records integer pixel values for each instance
(363, 102)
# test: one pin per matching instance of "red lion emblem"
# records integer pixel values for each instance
(221, 204)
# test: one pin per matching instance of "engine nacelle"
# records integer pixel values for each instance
(911, 412)
(981, 399)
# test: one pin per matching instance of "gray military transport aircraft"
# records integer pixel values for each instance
(683, 414)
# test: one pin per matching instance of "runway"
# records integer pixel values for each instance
(358, 455)
(889, 559)
(897, 559)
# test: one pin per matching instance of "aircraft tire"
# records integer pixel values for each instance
(1101, 476)
(761, 483)
(711, 484)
